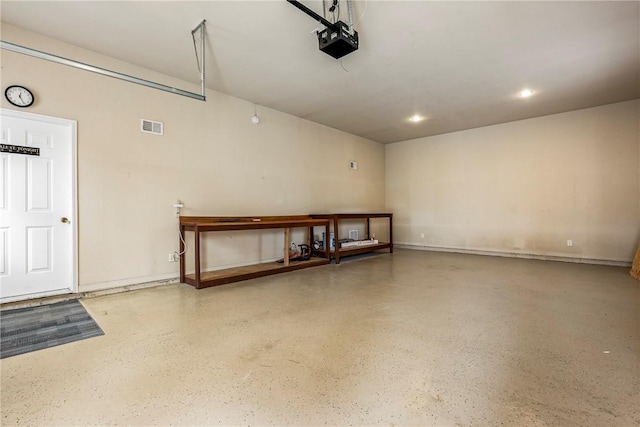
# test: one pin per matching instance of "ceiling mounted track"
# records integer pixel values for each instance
(324, 21)
(121, 76)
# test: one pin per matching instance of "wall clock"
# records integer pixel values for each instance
(19, 96)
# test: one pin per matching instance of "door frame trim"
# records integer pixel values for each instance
(73, 126)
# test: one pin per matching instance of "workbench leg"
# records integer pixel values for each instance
(287, 237)
(196, 245)
(327, 229)
(367, 228)
(391, 233)
(183, 254)
(336, 241)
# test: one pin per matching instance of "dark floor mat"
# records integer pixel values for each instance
(23, 330)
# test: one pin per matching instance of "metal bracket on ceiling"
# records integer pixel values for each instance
(201, 63)
(121, 76)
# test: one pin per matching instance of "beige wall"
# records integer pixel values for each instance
(211, 157)
(524, 187)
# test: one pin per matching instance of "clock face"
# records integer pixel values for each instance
(19, 96)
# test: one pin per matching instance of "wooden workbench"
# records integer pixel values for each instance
(207, 224)
(338, 252)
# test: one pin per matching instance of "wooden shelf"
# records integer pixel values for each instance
(236, 274)
(358, 249)
(200, 224)
(338, 252)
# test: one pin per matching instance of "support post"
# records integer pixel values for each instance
(287, 237)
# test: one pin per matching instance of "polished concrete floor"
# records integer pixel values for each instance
(413, 338)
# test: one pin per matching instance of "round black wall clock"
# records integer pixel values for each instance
(19, 96)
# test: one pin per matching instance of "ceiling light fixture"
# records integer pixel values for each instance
(255, 119)
(416, 118)
(525, 93)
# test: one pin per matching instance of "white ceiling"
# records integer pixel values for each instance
(459, 64)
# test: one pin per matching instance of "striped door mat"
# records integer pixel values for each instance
(23, 330)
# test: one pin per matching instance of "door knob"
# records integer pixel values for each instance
(64, 219)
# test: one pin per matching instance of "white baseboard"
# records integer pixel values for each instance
(145, 281)
(616, 263)
(115, 286)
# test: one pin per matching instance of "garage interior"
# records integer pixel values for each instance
(507, 298)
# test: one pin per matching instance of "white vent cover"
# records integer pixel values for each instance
(149, 126)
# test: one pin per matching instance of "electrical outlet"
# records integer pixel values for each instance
(174, 257)
(422, 235)
(569, 243)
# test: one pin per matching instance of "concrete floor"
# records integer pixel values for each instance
(413, 338)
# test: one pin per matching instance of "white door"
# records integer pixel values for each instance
(37, 206)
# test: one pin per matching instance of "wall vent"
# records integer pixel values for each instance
(149, 126)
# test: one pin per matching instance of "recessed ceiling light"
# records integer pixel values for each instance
(525, 93)
(416, 118)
